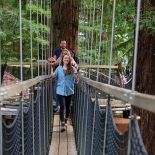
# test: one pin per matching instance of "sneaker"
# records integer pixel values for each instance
(57, 110)
(66, 119)
(63, 127)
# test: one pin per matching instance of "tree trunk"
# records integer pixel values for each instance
(65, 17)
(145, 80)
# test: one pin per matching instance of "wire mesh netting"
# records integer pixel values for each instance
(96, 132)
(37, 124)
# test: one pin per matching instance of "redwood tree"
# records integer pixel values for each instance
(146, 76)
(65, 17)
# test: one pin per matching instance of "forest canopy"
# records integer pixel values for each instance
(9, 30)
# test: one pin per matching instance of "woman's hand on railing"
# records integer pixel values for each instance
(76, 77)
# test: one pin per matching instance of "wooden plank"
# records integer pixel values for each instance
(96, 66)
(122, 124)
(63, 146)
(62, 143)
(54, 148)
(71, 141)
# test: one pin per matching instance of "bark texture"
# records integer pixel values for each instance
(146, 80)
(65, 17)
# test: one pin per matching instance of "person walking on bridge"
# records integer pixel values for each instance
(57, 54)
(66, 75)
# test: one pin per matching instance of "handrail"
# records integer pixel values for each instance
(14, 89)
(96, 66)
(140, 100)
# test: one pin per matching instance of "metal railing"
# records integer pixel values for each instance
(30, 131)
(95, 130)
(137, 99)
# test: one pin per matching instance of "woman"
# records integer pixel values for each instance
(58, 61)
(66, 75)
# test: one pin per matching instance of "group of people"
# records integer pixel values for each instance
(64, 70)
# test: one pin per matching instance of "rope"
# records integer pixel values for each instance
(21, 73)
(92, 34)
(12, 134)
(92, 138)
(112, 39)
(21, 48)
(96, 41)
(84, 11)
(92, 37)
(45, 37)
(37, 37)
(31, 39)
(94, 127)
(89, 39)
(136, 45)
(42, 51)
(100, 41)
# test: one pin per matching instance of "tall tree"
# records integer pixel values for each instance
(146, 74)
(65, 17)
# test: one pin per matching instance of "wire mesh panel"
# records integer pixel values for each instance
(137, 146)
(116, 142)
(37, 124)
(95, 130)
(28, 128)
(12, 136)
(99, 129)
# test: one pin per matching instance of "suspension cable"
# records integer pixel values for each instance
(31, 34)
(21, 73)
(37, 37)
(31, 38)
(48, 38)
(136, 45)
(112, 40)
(92, 34)
(96, 40)
(84, 11)
(42, 52)
(21, 43)
(89, 25)
(86, 43)
(44, 36)
(100, 41)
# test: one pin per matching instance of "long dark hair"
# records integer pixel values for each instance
(69, 66)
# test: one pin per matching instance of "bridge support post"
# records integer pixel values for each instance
(105, 128)
(44, 147)
(94, 117)
(39, 119)
(1, 131)
(81, 127)
(22, 123)
(85, 133)
(32, 91)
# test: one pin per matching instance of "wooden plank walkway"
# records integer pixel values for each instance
(63, 143)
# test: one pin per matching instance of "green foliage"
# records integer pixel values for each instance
(9, 30)
(148, 20)
(123, 34)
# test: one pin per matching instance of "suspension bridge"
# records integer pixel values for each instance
(30, 127)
